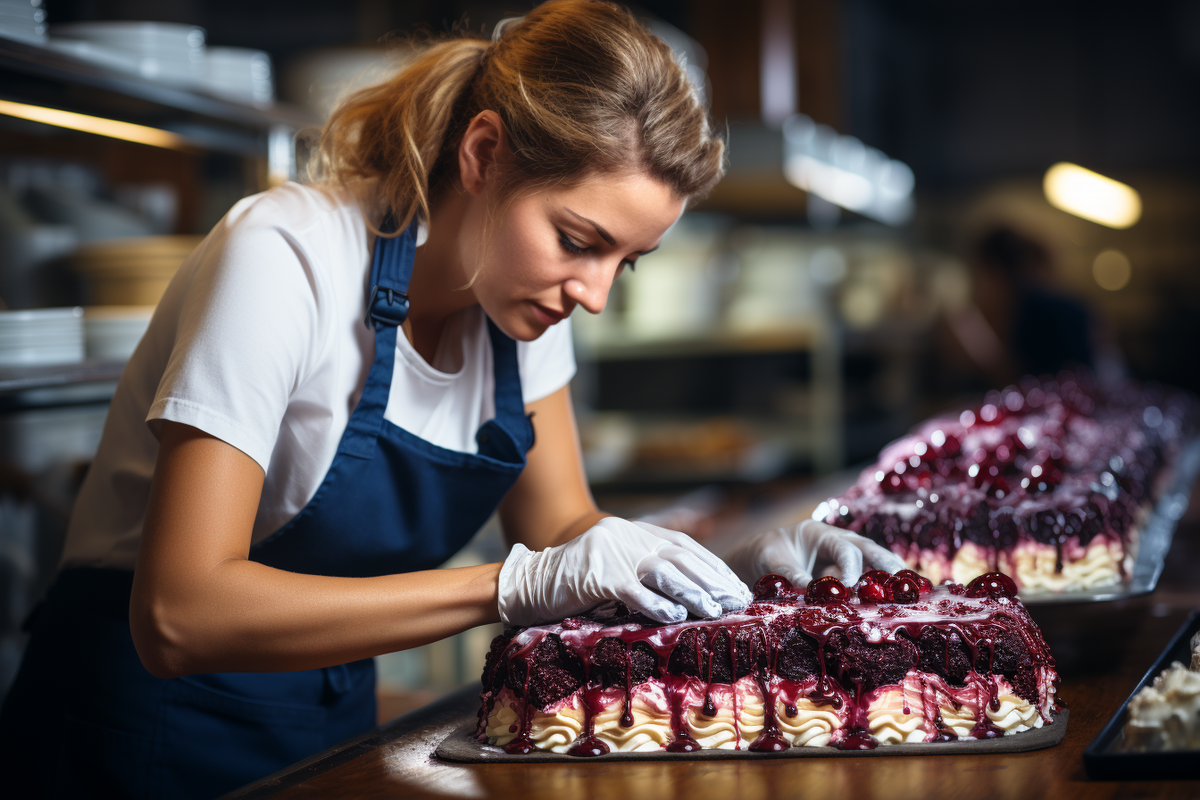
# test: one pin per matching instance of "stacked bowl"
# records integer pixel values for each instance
(133, 271)
(41, 336)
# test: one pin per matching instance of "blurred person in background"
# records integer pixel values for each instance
(340, 386)
(1017, 322)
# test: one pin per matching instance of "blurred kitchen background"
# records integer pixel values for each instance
(901, 174)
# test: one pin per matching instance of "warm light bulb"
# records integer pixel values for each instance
(1112, 270)
(1088, 194)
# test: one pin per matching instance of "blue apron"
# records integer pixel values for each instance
(84, 718)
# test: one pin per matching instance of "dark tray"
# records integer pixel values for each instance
(1105, 759)
(461, 746)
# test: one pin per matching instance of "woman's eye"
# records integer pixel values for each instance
(570, 246)
(576, 249)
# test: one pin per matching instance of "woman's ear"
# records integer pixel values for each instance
(483, 145)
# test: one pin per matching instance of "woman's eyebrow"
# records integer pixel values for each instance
(605, 235)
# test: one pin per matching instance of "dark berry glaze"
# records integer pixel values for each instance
(837, 654)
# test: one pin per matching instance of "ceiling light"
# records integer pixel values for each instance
(1088, 194)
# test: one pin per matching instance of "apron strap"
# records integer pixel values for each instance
(509, 400)
(391, 270)
(387, 308)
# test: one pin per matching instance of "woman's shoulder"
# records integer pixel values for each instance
(292, 238)
(295, 208)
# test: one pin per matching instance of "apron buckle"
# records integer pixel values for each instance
(386, 306)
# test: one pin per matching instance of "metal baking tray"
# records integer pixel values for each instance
(1153, 543)
(1106, 759)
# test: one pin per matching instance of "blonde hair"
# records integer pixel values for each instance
(580, 86)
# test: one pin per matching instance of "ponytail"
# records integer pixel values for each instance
(396, 131)
(581, 87)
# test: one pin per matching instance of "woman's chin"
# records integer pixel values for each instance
(522, 328)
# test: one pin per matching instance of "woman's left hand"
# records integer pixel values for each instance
(797, 552)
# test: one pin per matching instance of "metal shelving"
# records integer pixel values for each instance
(42, 76)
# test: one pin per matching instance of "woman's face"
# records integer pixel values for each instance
(563, 247)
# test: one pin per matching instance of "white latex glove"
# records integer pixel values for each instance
(796, 552)
(661, 573)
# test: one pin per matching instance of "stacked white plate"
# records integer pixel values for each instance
(41, 336)
(239, 74)
(97, 54)
(112, 333)
(23, 19)
(164, 51)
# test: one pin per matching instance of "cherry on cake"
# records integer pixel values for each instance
(890, 660)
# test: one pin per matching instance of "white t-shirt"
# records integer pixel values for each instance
(260, 342)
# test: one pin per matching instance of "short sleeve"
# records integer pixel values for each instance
(247, 324)
(548, 362)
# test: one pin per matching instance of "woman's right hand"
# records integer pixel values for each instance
(797, 552)
(661, 573)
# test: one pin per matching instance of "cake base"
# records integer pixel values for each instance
(462, 747)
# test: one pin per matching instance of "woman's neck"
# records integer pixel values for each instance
(436, 290)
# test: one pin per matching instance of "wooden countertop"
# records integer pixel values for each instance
(1103, 651)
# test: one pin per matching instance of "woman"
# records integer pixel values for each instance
(337, 390)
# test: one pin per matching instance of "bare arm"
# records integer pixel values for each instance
(551, 502)
(199, 604)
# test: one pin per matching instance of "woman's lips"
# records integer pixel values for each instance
(547, 316)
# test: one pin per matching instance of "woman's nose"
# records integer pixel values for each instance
(591, 293)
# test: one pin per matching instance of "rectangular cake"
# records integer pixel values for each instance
(1049, 483)
(891, 660)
